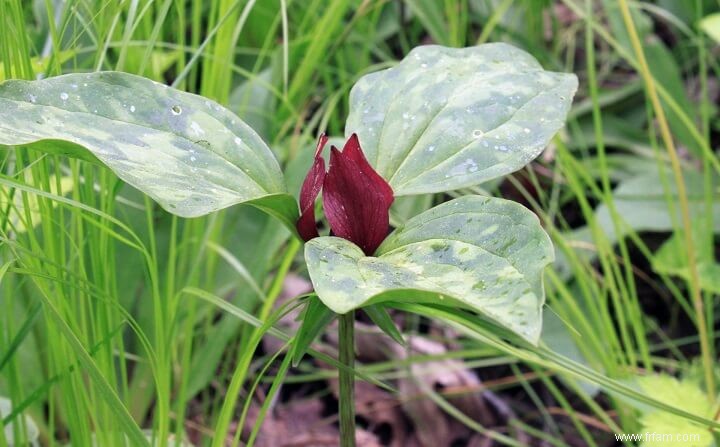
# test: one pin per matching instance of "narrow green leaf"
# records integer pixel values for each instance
(482, 253)
(23, 332)
(557, 338)
(277, 333)
(430, 14)
(135, 435)
(380, 316)
(40, 392)
(31, 430)
(315, 318)
(448, 118)
(188, 153)
(546, 358)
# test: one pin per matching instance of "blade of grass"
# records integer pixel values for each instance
(694, 282)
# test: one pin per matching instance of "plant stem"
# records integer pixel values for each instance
(347, 379)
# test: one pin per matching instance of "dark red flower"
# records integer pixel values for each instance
(356, 199)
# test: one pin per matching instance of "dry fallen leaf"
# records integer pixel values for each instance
(300, 423)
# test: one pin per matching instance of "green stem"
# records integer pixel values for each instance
(347, 379)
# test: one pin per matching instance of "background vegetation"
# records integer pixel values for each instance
(116, 317)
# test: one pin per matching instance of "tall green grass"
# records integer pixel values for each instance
(116, 317)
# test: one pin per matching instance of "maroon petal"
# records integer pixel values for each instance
(311, 187)
(353, 150)
(356, 199)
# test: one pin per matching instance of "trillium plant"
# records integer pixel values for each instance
(441, 120)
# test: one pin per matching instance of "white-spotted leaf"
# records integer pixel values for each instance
(188, 153)
(685, 395)
(448, 118)
(481, 253)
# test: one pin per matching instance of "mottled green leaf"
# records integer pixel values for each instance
(255, 102)
(644, 205)
(190, 154)
(557, 337)
(482, 253)
(682, 394)
(671, 258)
(711, 25)
(448, 118)
(662, 429)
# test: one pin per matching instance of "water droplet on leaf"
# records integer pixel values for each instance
(196, 129)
